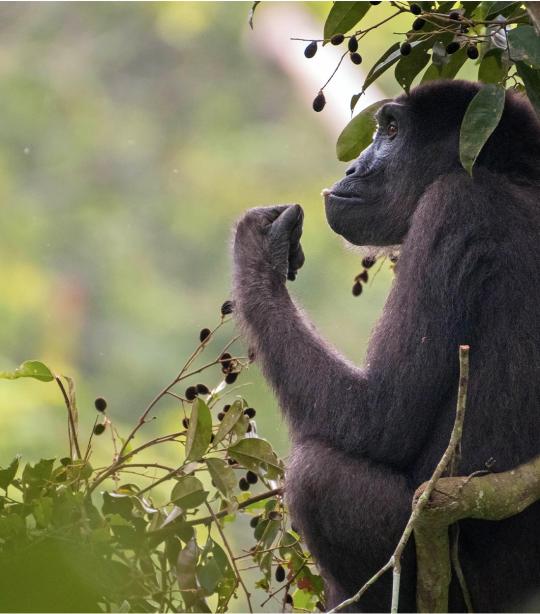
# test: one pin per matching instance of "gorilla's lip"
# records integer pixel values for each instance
(333, 198)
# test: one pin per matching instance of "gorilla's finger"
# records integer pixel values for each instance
(287, 221)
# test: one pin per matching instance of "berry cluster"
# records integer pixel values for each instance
(363, 277)
(101, 405)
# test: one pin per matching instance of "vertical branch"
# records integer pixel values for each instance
(394, 563)
(72, 428)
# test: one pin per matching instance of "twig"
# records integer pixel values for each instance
(239, 578)
(418, 505)
(70, 417)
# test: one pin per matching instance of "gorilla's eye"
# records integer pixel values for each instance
(392, 129)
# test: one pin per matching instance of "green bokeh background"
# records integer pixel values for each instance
(132, 136)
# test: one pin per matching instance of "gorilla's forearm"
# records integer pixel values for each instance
(312, 381)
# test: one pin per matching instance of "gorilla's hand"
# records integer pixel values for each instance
(268, 240)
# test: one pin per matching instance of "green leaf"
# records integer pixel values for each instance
(389, 57)
(254, 453)
(492, 69)
(525, 45)
(222, 475)
(358, 133)
(236, 411)
(213, 568)
(480, 120)
(188, 492)
(343, 16)
(199, 431)
(30, 368)
(499, 8)
(409, 66)
(531, 80)
(7, 475)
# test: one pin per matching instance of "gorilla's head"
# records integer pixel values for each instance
(416, 143)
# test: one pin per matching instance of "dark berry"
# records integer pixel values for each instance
(190, 393)
(252, 477)
(226, 308)
(472, 52)
(243, 484)
(254, 522)
(452, 47)
(280, 573)
(415, 9)
(368, 262)
(204, 334)
(226, 408)
(337, 39)
(356, 58)
(220, 416)
(230, 378)
(352, 44)
(231, 461)
(454, 15)
(357, 289)
(98, 429)
(250, 412)
(311, 49)
(275, 516)
(405, 48)
(288, 596)
(225, 360)
(185, 422)
(319, 102)
(202, 389)
(363, 277)
(418, 23)
(100, 404)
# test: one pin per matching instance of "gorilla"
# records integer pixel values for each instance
(363, 439)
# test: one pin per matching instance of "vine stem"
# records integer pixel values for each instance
(418, 505)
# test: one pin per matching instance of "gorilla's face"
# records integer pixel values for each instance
(374, 202)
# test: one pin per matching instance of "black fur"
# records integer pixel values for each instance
(469, 272)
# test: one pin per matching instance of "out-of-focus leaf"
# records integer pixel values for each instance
(480, 120)
(492, 69)
(30, 368)
(531, 80)
(236, 411)
(343, 16)
(7, 475)
(188, 492)
(409, 66)
(449, 69)
(469, 7)
(199, 431)
(222, 475)
(255, 453)
(251, 14)
(214, 572)
(186, 574)
(358, 133)
(525, 45)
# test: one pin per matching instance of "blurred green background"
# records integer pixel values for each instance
(132, 136)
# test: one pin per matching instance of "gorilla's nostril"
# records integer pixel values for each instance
(350, 171)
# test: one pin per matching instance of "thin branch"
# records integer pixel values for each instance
(239, 578)
(70, 417)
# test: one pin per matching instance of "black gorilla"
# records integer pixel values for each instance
(469, 272)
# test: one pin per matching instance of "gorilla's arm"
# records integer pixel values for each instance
(358, 410)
